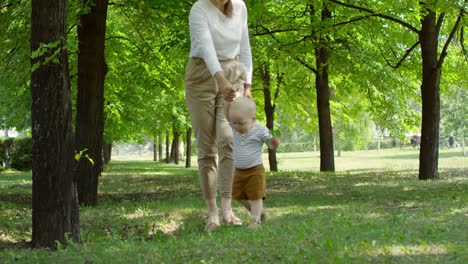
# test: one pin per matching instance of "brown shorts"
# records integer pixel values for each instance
(249, 184)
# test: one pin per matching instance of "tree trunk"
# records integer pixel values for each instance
(429, 152)
(90, 101)
(155, 152)
(269, 110)
(155, 148)
(107, 151)
(327, 162)
(7, 145)
(54, 196)
(160, 147)
(188, 158)
(175, 147)
(167, 148)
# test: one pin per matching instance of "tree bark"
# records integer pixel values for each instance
(188, 157)
(429, 152)
(269, 108)
(90, 101)
(175, 147)
(155, 152)
(155, 148)
(54, 198)
(107, 151)
(160, 147)
(327, 162)
(167, 147)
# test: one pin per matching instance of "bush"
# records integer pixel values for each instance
(6, 146)
(21, 154)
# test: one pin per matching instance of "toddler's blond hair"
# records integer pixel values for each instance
(243, 106)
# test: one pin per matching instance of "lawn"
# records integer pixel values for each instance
(373, 210)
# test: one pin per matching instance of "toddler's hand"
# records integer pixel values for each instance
(274, 143)
(229, 93)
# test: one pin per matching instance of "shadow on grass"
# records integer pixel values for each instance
(320, 211)
(6, 245)
(20, 200)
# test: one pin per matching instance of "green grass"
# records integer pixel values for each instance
(153, 213)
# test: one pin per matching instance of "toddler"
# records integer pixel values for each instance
(249, 186)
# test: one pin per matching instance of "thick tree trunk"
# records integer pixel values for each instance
(327, 162)
(90, 102)
(54, 197)
(269, 111)
(429, 152)
(188, 157)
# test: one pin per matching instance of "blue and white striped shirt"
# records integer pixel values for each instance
(247, 147)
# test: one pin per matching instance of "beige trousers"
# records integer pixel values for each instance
(213, 134)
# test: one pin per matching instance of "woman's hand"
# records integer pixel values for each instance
(225, 86)
(247, 92)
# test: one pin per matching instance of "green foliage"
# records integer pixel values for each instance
(49, 52)
(154, 213)
(21, 154)
(15, 64)
(147, 46)
(81, 154)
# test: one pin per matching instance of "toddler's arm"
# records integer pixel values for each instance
(273, 143)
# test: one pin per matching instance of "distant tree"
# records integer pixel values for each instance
(432, 15)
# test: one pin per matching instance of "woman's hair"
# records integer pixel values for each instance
(228, 9)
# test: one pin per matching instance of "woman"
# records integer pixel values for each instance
(220, 61)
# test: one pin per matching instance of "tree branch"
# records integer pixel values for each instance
(269, 32)
(279, 81)
(306, 65)
(352, 20)
(440, 20)
(70, 29)
(443, 54)
(387, 17)
(118, 37)
(407, 53)
(462, 44)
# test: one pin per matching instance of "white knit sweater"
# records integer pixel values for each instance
(215, 36)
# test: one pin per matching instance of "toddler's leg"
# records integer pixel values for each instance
(246, 204)
(256, 207)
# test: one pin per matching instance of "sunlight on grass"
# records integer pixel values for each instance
(405, 250)
(460, 211)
